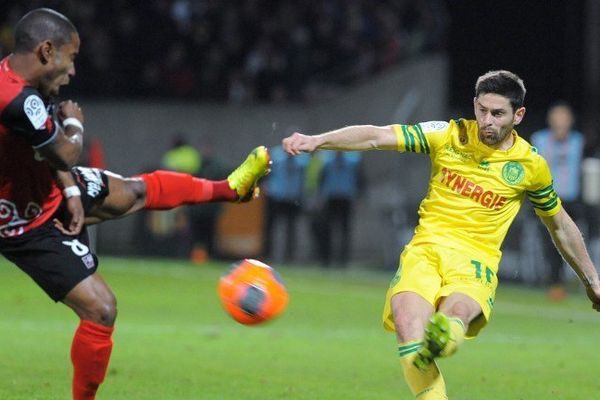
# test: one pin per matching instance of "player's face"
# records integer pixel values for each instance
(495, 118)
(60, 67)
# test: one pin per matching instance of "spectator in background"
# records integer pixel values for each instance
(203, 220)
(255, 51)
(284, 191)
(187, 231)
(562, 147)
(339, 187)
(182, 156)
(92, 156)
(170, 231)
(313, 204)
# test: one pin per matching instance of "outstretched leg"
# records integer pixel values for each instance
(159, 190)
(163, 190)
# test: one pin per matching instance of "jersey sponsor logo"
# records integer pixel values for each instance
(513, 172)
(92, 179)
(468, 188)
(434, 126)
(455, 153)
(36, 111)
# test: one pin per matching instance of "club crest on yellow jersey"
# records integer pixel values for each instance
(513, 172)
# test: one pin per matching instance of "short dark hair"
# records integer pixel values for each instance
(561, 104)
(42, 24)
(504, 83)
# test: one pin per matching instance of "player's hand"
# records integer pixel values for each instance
(298, 143)
(74, 217)
(69, 109)
(593, 293)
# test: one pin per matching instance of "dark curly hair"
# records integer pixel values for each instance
(504, 83)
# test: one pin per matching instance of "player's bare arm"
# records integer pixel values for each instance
(75, 216)
(569, 242)
(357, 137)
(64, 151)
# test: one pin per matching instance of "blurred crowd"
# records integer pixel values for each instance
(321, 189)
(237, 51)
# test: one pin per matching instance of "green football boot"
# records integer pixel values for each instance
(244, 179)
(437, 335)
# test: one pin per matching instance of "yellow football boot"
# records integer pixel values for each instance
(244, 179)
(437, 335)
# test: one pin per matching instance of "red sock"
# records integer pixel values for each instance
(90, 353)
(166, 190)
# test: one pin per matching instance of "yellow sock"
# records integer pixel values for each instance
(457, 336)
(425, 385)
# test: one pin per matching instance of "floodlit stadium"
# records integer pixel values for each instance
(176, 99)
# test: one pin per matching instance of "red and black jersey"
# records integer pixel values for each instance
(29, 195)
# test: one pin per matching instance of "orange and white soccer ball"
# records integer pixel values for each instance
(252, 292)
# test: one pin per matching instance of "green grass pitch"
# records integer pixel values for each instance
(173, 341)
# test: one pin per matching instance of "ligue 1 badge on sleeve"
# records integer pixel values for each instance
(35, 111)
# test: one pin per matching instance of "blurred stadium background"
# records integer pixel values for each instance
(237, 74)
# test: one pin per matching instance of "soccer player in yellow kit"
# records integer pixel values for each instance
(481, 172)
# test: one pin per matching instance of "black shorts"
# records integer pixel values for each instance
(58, 262)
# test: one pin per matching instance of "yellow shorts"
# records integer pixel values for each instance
(435, 272)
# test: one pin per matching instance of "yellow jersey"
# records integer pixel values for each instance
(475, 191)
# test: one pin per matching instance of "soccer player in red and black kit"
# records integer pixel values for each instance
(44, 199)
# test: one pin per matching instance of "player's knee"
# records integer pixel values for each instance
(408, 325)
(466, 312)
(107, 312)
(103, 310)
(137, 188)
(410, 312)
(93, 300)
(136, 192)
